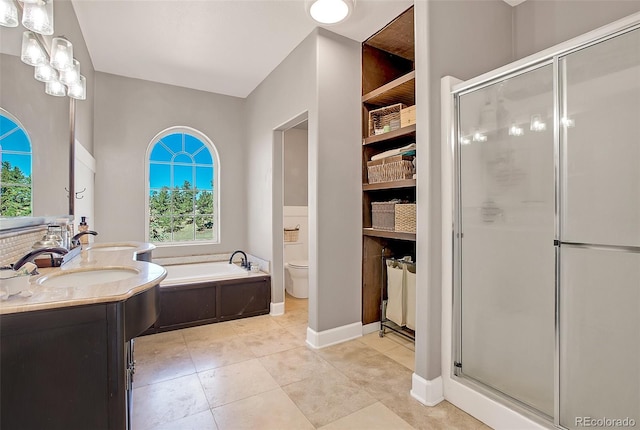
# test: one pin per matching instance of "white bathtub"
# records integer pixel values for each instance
(185, 274)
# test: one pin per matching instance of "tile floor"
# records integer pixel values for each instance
(258, 373)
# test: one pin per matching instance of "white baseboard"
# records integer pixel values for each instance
(429, 393)
(333, 336)
(371, 328)
(276, 309)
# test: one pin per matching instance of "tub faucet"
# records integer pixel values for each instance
(75, 240)
(244, 263)
(34, 253)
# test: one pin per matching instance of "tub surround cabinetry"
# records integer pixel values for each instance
(63, 362)
(388, 78)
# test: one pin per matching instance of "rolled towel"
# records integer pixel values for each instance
(392, 152)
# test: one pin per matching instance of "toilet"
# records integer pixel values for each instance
(296, 270)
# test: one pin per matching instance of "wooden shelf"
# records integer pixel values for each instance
(397, 37)
(389, 234)
(407, 183)
(400, 133)
(401, 90)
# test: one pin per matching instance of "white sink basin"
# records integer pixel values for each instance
(87, 277)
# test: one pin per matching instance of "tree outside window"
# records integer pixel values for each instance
(15, 174)
(182, 185)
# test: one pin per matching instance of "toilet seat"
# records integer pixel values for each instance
(300, 264)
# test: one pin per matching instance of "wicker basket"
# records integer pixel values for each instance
(383, 215)
(386, 116)
(291, 234)
(405, 217)
(389, 169)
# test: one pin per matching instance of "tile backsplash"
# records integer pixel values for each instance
(16, 243)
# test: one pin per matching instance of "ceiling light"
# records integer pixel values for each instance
(61, 54)
(8, 13)
(78, 90)
(32, 52)
(45, 73)
(567, 122)
(71, 76)
(55, 88)
(330, 11)
(464, 140)
(515, 130)
(537, 124)
(38, 16)
(479, 137)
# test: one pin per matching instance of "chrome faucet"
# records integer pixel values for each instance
(34, 253)
(75, 240)
(244, 263)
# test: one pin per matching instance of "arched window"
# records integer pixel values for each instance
(182, 171)
(15, 157)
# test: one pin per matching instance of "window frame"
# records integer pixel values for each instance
(17, 122)
(213, 151)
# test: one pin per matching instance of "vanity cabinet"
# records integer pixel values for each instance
(66, 368)
(388, 79)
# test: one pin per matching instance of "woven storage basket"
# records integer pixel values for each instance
(405, 217)
(390, 169)
(291, 234)
(383, 215)
(388, 115)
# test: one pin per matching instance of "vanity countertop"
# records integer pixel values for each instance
(96, 256)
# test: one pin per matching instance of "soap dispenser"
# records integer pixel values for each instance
(83, 226)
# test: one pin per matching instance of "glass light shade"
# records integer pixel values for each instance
(479, 137)
(537, 124)
(45, 73)
(32, 52)
(568, 122)
(61, 54)
(8, 13)
(464, 140)
(330, 11)
(38, 16)
(71, 76)
(78, 90)
(55, 88)
(515, 130)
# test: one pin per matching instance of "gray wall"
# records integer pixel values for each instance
(321, 78)
(540, 24)
(46, 118)
(129, 113)
(296, 154)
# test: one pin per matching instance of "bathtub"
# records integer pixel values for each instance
(184, 274)
(203, 293)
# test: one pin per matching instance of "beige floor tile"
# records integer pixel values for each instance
(402, 355)
(167, 401)
(327, 396)
(294, 365)
(254, 325)
(291, 303)
(164, 359)
(236, 381)
(401, 340)
(299, 331)
(215, 331)
(378, 343)
(200, 421)
(211, 354)
(374, 417)
(379, 375)
(344, 354)
(292, 317)
(271, 410)
(270, 342)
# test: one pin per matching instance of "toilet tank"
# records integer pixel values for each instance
(295, 251)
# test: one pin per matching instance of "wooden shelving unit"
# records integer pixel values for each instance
(388, 78)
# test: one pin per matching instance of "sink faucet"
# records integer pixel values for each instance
(75, 240)
(244, 263)
(34, 253)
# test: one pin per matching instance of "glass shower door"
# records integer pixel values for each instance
(600, 233)
(506, 253)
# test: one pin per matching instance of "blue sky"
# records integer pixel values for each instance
(13, 142)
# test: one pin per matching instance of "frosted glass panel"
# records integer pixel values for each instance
(507, 253)
(600, 336)
(601, 143)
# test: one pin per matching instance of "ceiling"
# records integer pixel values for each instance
(221, 46)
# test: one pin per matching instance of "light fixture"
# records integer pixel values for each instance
(61, 54)
(479, 137)
(515, 130)
(71, 76)
(45, 73)
(329, 12)
(55, 88)
(464, 140)
(8, 13)
(567, 122)
(537, 124)
(38, 16)
(78, 90)
(32, 52)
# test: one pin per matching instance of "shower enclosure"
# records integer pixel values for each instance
(547, 235)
